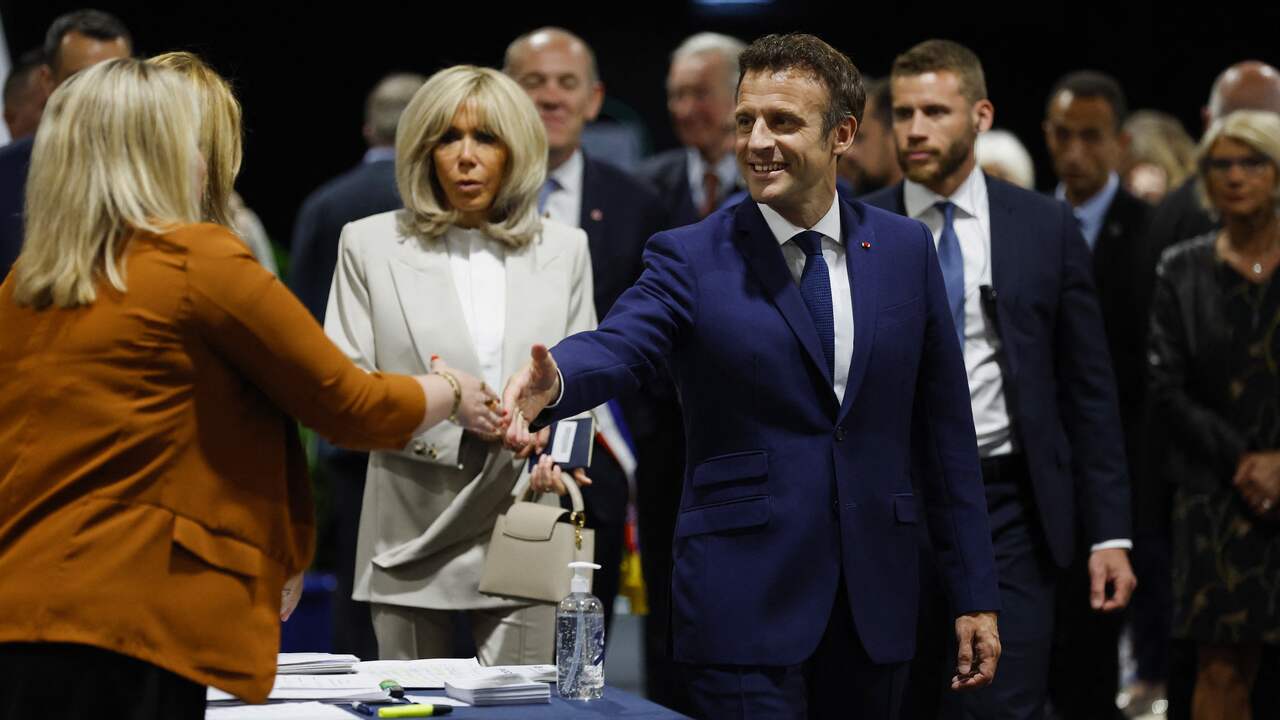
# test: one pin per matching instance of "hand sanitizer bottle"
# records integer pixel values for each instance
(580, 639)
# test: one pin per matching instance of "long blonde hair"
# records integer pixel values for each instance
(504, 110)
(220, 132)
(116, 151)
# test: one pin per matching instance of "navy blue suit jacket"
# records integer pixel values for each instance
(15, 158)
(786, 490)
(1058, 381)
(367, 189)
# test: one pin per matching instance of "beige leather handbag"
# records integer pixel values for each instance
(532, 546)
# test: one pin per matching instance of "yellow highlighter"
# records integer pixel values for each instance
(414, 711)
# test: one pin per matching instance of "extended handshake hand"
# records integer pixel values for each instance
(530, 390)
(475, 406)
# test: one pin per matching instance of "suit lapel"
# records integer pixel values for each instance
(684, 193)
(428, 298)
(591, 217)
(760, 248)
(1005, 261)
(860, 262)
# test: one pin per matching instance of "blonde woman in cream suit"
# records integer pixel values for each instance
(470, 274)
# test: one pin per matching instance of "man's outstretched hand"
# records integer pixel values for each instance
(535, 386)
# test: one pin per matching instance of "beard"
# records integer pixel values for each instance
(949, 161)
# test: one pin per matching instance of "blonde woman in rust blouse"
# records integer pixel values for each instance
(153, 495)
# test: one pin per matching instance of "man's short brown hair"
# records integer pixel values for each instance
(809, 54)
(938, 55)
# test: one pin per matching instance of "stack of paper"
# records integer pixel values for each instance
(279, 711)
(432, 674)
(497, 686)
(325, 688)
(314, 663)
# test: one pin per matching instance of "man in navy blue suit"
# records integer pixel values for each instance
(74, 41)
(1021, 294)
(818, 370)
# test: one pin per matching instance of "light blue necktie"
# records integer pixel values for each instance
(952, 262)
(548, 187)
(815, 288)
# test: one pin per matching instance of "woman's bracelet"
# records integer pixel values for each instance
(457, 394)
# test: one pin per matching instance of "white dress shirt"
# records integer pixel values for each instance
(479, 270)
(833, 252)
(564, 204)
(972, 222)
(1090, 213)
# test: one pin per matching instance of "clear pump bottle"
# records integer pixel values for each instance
(580, 639)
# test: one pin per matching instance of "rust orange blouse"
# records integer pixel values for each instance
(153, 493)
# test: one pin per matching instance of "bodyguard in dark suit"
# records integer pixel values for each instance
(74, 41)
(694, 179)
(817, 364)
(1020, 289)
(618, 213)
(1083, 125)
(367, 189)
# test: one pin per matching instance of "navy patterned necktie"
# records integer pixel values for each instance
(952, 262)
(815, 288)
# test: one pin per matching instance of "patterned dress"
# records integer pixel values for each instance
(1226, 561)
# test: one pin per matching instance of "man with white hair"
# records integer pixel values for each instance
(701, 89)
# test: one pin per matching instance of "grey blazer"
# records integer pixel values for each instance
(430, 507)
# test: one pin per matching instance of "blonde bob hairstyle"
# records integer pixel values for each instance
(116, 152)
(1258, 129)
(220, 132)
(503, 110)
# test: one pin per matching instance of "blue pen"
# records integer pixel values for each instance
(364, 708)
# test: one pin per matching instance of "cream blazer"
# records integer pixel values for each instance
(430, 507)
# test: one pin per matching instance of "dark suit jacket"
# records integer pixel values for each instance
(1179, 216)
(368, 189)
(14, 161)
(1058, 380)
(668, 174)
(787, 490)
(619, 214)
(1118, 260)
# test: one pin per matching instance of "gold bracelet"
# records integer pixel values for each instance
(457, 394)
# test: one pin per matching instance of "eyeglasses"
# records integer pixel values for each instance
(1251, 165)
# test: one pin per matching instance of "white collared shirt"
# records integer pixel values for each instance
(972, 222)
(725, 169)
(833, 252)
(564, 204)
(479, 270)
(1090, 213)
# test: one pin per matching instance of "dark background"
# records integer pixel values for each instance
(302, 70)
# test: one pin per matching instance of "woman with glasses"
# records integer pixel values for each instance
(1215, 386)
